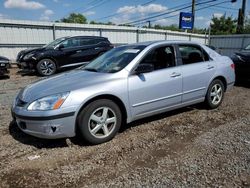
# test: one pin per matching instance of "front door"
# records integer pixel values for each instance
(160, 89)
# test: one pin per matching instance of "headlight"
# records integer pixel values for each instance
(52, 102)
(28, 56)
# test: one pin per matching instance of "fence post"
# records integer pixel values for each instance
(100, 32)
(190, 37)
(54, 31)
(242, 41)
(166, 35)
(137, 35)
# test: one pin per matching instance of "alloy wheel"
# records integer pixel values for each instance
(102, 122)
(216, 94)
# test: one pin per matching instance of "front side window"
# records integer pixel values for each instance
(55, 42)
(160, 58)
(114, 60)
(192, 54)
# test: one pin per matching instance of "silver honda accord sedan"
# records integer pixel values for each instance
(127, 83)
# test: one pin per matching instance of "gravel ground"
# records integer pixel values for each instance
(190, 147)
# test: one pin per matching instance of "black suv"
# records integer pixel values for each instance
(4, 65)
(63, 52)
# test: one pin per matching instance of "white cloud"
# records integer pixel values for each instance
(151, 8)
(48, 12)
(3, 16)
(66, 5)
(89, 13)
(46, 15)
(217, 15)
(23, 4)
(128, 11)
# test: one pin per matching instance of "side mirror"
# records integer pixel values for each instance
(61, 46)
(144, 68)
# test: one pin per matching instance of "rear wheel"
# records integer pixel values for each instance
(99, 121)
(46, 67)
(215, 94)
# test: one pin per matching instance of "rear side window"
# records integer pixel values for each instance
(192, 54)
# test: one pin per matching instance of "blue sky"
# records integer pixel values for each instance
(125, 10)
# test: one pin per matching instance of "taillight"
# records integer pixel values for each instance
(232, 66)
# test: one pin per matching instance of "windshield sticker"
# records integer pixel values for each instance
(132, 51)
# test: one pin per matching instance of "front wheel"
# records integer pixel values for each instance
(46, 67)
(215, 94)
(99, 121)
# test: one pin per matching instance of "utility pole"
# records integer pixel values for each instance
(193, 12)
(241, 17)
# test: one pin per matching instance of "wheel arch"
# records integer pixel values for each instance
(111, 97)
(223, 79)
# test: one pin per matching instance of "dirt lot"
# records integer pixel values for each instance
(191, 147)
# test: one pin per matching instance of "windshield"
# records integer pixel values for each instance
(114, 60)
(54, 43)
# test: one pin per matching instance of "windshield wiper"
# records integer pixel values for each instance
(90, 69)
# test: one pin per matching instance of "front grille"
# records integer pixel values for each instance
(20, 103)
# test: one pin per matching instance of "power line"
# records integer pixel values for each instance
(156, 13)
(101, 18)
(168, 12)
(93, 4)
(211, 5)
(97, 5)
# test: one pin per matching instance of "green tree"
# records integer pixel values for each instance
(75, 18)
(223, 25)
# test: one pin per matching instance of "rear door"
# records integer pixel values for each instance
(197, 70)
(154, 91)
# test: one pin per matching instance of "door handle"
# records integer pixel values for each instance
(175, 74)
(210, 67)
(97, 48)
(78, 51)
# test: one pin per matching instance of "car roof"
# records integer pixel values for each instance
(79, 36)
(165, 42)
(161, 42)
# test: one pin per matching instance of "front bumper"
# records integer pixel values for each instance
(61, 125)
(30, 65)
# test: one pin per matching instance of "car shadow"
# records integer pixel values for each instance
(244, 83)
(161, 116)
(27, 73)
(40, 143)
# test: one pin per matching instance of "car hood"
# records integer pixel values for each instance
(5, 59)
(69, 81)
(24, 52)
(244, 53)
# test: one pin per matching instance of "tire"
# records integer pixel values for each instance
(46, 67)
(215, 94)
(99, 121)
